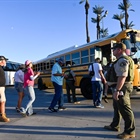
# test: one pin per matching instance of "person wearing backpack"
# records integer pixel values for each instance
(97, 83)
(121, 79)
(70, 85)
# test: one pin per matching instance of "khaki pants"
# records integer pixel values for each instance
(2, 94)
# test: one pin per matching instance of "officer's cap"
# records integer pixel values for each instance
(119, 45)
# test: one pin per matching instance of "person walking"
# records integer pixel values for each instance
(97, 84)
(29, 78)
(70, 84)
(19, 81)
(122, 74)
(57, 80)
(3, 116)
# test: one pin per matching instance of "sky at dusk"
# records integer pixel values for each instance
(33, 29)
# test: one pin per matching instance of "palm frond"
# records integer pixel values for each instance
(94, 20)
(118, 17)
(132, 10)
(98, 9)
(81, 1)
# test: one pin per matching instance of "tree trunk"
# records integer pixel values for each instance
(126, 14)
(87, 32)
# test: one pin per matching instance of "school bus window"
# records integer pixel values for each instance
(51, 63)
(35, 68)
(84, 57)
(48, 64)
(84, 60)
(76, 62)
(44, 66)
(92, 54)
(76, 58)
(75, 55)
(67, 57)
(38, 66)
(62, 57)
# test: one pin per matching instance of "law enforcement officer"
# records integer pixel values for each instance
(122, 74)
(70, 84)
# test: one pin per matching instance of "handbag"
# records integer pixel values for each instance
(91, 73)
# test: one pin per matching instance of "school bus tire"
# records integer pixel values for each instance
(86, 88)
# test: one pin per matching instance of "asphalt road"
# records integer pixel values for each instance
(78, 122)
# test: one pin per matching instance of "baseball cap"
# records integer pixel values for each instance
(119, 45)
(3, 58)
(61, 60)
(27, 62)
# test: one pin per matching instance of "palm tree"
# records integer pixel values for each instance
(104, 32)
(124, 7)
(98, 10)
(130, 25)
(86, 12)
(119, 17)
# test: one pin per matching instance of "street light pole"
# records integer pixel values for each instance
(99, 18)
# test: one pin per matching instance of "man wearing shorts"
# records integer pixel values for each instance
(3, 117)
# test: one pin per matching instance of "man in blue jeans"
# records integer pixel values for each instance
(97, 85)
(57, 80)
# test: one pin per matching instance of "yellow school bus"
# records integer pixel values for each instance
(80, 57)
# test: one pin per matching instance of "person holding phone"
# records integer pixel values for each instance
(57, 80)
(122, 75)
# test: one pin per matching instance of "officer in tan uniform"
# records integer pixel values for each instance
(122, 74)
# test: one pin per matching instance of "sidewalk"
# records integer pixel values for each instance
(78, 122)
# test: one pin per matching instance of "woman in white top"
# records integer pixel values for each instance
(19, 81)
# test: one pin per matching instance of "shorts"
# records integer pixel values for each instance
(2, 94)
(19, 87)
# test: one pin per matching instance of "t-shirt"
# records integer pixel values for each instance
(96, 67)
(19, 76)
(27, 80)
(57, 79)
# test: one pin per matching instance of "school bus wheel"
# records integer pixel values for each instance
(86, 88)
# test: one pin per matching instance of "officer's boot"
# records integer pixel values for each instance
(3, 118)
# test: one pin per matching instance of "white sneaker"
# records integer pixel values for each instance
(100, 106)
(77, 102)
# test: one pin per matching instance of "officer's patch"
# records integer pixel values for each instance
(122, 69)
(122, 64)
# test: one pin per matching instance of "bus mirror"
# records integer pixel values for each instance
(133, 37)
(133, 49)
(135, 60)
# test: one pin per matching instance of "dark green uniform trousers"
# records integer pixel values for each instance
(122, 109)
(70, 86)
